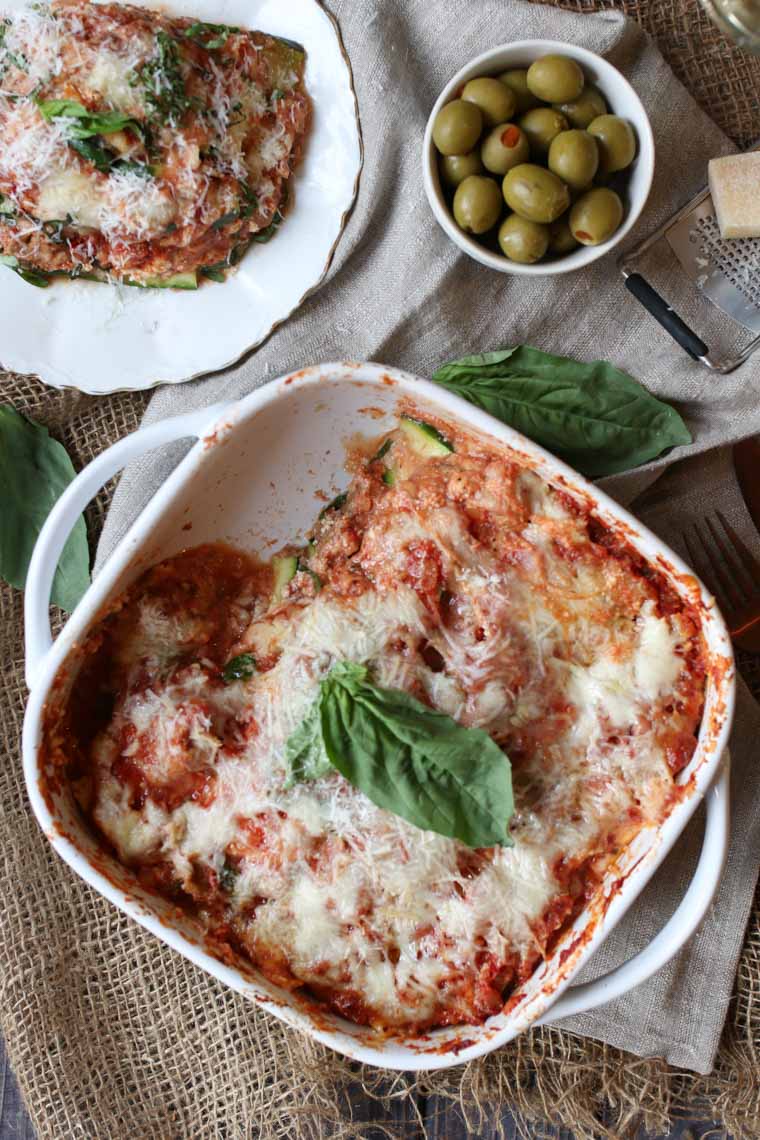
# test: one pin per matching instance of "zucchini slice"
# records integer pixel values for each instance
(284, 567)
(426, 440)
(382, 450)
(176, 281)
(302, 568)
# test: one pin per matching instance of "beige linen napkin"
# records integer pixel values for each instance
(401, 293)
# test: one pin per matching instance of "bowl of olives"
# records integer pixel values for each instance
(538, 158)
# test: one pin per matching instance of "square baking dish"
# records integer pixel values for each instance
(249, 481)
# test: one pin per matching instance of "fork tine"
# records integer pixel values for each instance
(733, 569)
(750, 563)
(719, 574)
(696, 559)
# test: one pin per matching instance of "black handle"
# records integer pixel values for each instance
(662, 312)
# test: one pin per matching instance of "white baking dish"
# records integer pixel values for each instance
(249, 480)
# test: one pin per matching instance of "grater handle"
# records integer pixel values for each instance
(667, 317)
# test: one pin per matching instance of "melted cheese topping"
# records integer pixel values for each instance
(562, 651)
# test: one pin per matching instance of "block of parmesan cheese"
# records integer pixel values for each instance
(735, 188)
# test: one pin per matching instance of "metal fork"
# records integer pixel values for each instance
(735, 577)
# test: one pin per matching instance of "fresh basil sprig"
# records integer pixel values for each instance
(597, 418)
(34, 472)
(407, 758)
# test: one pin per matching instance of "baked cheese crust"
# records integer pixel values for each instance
(465, 580)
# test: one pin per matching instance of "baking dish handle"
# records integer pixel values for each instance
(61, 520)
(687, 917)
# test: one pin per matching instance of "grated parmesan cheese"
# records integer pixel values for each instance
(568, 664)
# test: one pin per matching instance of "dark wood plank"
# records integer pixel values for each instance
(398, 1115)
(14, 1121)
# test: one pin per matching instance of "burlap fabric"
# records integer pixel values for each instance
(110, 1034)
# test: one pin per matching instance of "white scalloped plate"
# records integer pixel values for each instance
(104, 338)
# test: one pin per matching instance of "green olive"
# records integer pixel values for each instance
(541, 125)
(456, 167)
(535, 193)
(505, 147)
(496, 102)
(595, 216)
(457, 127)
(617, 142)
(517, 81)
(555, 79)
(561, 240)
(477, 204)
(583, 110)
(522, 240)
(574, 157)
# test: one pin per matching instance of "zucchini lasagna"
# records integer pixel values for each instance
(141, 148)
(447, 573)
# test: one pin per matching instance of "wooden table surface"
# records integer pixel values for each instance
(441, 1121)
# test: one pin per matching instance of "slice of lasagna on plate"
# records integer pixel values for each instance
(140, 148)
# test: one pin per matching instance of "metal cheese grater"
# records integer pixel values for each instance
(727, 273)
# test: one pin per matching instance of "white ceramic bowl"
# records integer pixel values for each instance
(294, 426)
(621, 99)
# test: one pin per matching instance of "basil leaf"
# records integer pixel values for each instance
(249, 196)
(83, 124)
(408, 758)
(54, 228)
(597, 418)
(240, 668)
(225, 220)
(95, 152)
(305, 753)
(227, 876)
(32, 276)
(265, 235)
(215, 272)
(335, 504)
(34, 472)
